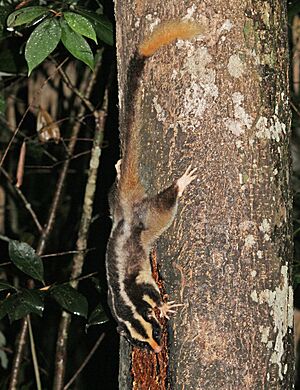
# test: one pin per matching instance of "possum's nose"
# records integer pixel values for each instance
(156, 348)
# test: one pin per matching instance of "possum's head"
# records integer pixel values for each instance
(143, 332)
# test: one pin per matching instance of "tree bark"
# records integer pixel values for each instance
(220, 103)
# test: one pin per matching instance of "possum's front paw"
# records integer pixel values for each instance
(186, 179)
(168, 307)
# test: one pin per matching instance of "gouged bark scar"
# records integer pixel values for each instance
(182, 279)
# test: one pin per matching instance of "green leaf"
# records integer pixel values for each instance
(42, 41)
(97, 317)
(102, 26)
(19, 305)
(70, 299)
(25, 258)
(4, 285)
(76, 45)
(81, 25)
(25, 15)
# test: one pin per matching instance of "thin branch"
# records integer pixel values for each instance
(66, 253)
(6, 263)
(78, 155)
(4, 238)
(85, 362)
(85, 276)
(20, 344)
(46, 288)
(81, 243)
(63, 174)
(23, 199)
(26, 112)
(72, 87)
(295, 108)
(46, 232)
(21, 164)
(34, 357)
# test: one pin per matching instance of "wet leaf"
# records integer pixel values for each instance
(97, 317)
(70, 299)
(81, 25)
(25, 15)
(102, 26)
(19, 305)
(25, 258)
(4, 285)
(76, 45)
(42, 41)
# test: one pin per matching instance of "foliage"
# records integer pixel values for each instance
(47, 25)
(48, 53)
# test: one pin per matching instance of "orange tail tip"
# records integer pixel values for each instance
(168, 32)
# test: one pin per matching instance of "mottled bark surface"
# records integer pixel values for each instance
(220, 102)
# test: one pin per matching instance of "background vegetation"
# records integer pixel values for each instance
(57, 85)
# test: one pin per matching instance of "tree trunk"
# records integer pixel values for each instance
(220, 103)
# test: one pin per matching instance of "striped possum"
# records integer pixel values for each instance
(138, 220)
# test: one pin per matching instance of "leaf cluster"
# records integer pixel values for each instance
(22, 301)
(65, 22)
(34, 284)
